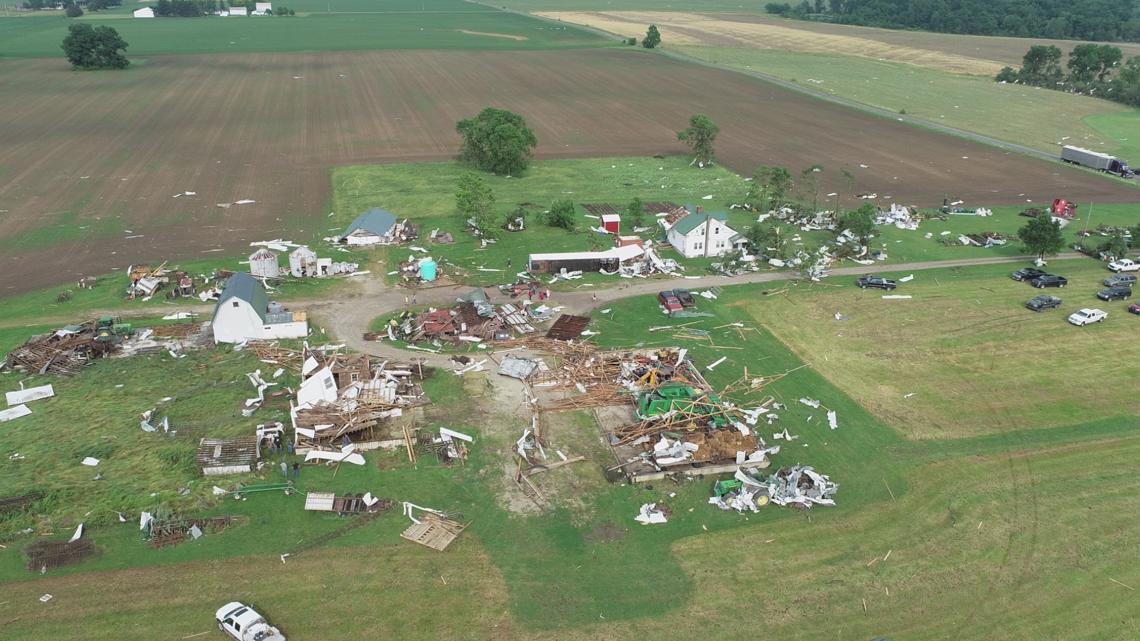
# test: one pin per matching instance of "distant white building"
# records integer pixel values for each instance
(238, 11)
(262, 8)
(145, 12)
(703, 234)
(244, 313)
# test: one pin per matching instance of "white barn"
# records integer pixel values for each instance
(145, 12)
(244, 313)
(702, 234)
(373, 227)
(262, 8)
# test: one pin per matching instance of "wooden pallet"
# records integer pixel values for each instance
(434, 531)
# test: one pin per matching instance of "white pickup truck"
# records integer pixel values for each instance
(1124, 265)
(243, 623)
(1087, 316)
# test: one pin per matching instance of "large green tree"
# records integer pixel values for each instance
(635, 212)
(497, 141)
(700, 136)
(652, 37)
(475, 201)
(860, 222)
(1041, 236)
(88, 47)
(1041, 65)
(1090, 61)
(561, 214)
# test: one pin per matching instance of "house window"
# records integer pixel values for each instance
(235, 303)
(353, 377)
(716, 230)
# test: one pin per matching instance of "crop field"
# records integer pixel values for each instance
(979, 55)
(91, 161)
(448, 24)
(964, 357)
(1046, 119)
(920, 531)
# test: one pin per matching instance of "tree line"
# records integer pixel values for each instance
(1102, 20)
(1092, 70)
(74, 9)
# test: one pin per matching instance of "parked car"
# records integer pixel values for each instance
(1043, 302)
(876, 282)
(1117, 280)
(686, 297)
(1026, 274)
(243, 623)
(1115, 293)
(1049, 280)
(1134, 308)
(1124, 265)
(1087, 316)
(669, 301)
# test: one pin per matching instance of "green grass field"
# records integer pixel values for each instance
(972, 103)
(425, 193)
(727, 6)
(964, 357)
(400, 25)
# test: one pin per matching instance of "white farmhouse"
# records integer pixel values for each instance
(145, 12)
(244, 313)
(702, 234)
(373, 227)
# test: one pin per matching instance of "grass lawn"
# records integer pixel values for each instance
(1122, 128)
(449, 24)
(964, 357)
(425, 193)
(971, 103)
(956, 527)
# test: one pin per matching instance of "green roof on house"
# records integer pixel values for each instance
(694, 220)
(245, 287)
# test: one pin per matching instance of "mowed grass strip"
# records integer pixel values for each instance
(1028, 116)
(963, 357)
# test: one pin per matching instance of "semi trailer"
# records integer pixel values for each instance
(1095, 160)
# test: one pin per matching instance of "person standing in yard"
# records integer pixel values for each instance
(508, 262)
(296, 469)
(413, 298)
(289, 446)
(284, 469)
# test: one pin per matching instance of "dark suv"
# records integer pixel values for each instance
(1049, 280)
(876, 282)
(1120, 280)
(1026, 274)
(1115, 293)
(1042, 302)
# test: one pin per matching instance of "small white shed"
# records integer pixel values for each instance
(303, 262)
(263, 264)
(145, 12)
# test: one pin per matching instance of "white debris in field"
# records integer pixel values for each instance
(90, 461)
(832, 419)
(906, 279)
(650, 514)
(897, 296)
(810, 402)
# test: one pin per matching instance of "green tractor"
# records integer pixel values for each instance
(109, 329)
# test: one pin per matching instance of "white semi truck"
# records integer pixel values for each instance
(1095, 160)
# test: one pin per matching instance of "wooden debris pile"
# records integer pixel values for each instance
(352, 396)
(48, 555)
(63, 352)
